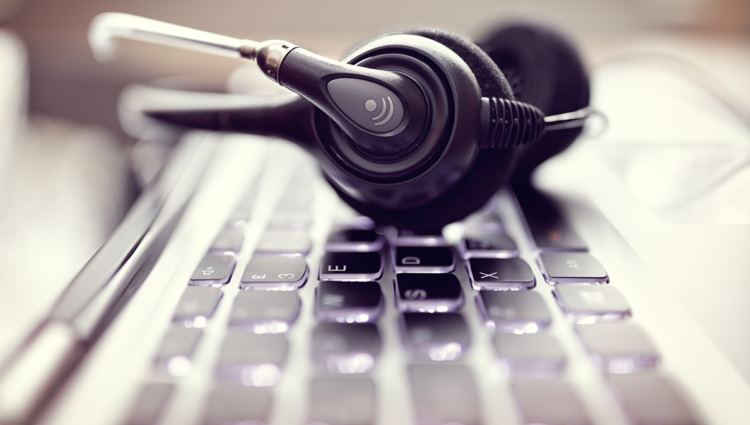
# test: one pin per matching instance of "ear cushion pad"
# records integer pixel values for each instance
(491, 170)
(491, 80)
(544, 70)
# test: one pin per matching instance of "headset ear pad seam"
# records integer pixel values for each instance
(546, 71)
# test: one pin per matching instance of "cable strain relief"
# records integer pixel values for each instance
(508, 123)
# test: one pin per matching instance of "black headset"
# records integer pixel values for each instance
(415, 129)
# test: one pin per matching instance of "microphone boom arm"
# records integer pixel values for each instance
(107, 27)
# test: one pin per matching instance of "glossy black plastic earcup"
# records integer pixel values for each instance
(492, 168)
(545, 70)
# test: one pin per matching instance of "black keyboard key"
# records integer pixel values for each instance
(175, 352)
(348, 302)
(346, 347)
(534, 355)
(351, 266)
(284, 242)
(619, 347)
(227, 241)
(354, 240)
(265, 312)
(654, 399)
(251, 360)
(500, 274)
(350, 400)
(585, 304)
(488, 245)
(549, 230)
(274, 273)
(237, 405)
(420, 259)
(517, 312)
(444, 394)
(428, 293)
(150, 404)
(213, 270)
(196, 305)
(438, 337)
(549, 402)
(572, 267)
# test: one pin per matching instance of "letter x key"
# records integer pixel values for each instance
(500, 274)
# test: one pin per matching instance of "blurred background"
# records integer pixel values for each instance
(66, 166)
(66, 82)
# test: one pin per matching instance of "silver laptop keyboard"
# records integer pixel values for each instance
(383, 326)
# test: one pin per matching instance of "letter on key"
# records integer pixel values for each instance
(500, 274)
(424, 259)
(428, 293)
(349, 302)
(213, 270)
(571, 267)
(351, 266)
(275, 273)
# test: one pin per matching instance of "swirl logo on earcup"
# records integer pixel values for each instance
(371, 105)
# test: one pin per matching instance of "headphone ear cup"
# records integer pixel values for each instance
(545, 70)
(491, 170)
